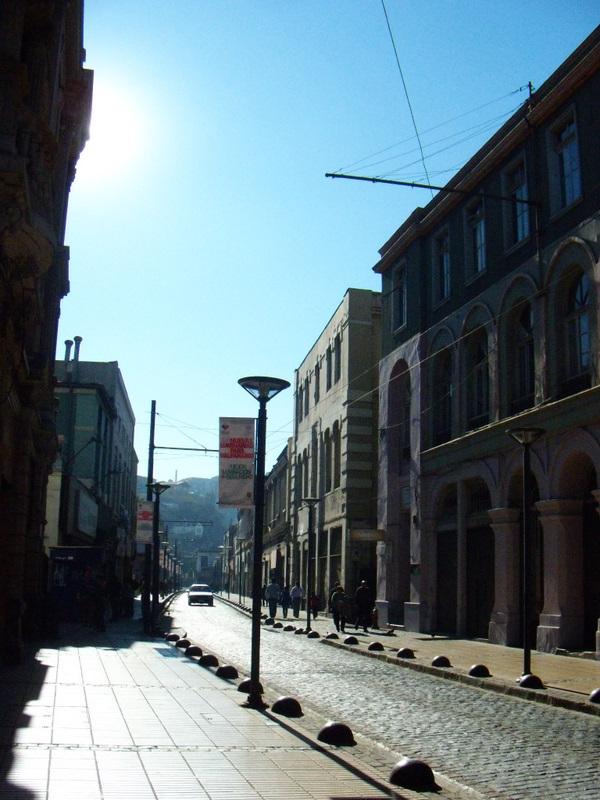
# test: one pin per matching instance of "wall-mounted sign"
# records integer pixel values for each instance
(236, 462)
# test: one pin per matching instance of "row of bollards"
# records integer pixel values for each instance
(526, 681)
(409, 773)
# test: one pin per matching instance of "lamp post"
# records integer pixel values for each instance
(262, 389)
(310, 556)
(526, 437)
(157, 488)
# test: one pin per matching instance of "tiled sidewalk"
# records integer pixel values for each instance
(113, 718)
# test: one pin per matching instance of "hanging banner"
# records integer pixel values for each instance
(236, 462)
(145, 517)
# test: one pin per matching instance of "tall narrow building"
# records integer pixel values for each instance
(45, 102)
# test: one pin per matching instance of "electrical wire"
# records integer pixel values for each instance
(408, 139)
(474, 131)
(412, 116)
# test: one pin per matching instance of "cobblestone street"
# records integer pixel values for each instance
(500, 746)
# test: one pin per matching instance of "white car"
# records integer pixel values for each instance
(200, 593)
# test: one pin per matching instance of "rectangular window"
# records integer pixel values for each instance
(441, 263)
(306, 397)
(399, 298)
(327, 457)
(328, 369)
(337, 455)
(568, 163)
(317, 382)
(475, 239)
(337, 358)
(516, 212)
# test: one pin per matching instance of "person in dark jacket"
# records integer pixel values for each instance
(285, 600)
(272, 593)
(338, 604)
(364, 603)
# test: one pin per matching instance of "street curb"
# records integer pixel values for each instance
(491, 684)
(543, 696)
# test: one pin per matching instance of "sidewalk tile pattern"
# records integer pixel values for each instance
(122, 718)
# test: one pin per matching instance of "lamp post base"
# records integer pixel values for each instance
(255, 701)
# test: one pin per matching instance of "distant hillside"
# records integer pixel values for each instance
(189, 508)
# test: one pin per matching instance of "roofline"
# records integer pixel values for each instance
(583, 62)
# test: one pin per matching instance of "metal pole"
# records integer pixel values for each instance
(155, 559)
(147, 611)
(310, 565)
(255, 695)
(229, 572)
(525, 559)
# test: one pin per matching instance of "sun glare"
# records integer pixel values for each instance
(115, 144)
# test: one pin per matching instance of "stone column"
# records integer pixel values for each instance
(505, 622)
(461, 559)
(381, 602)
(596, 495)
(561, 620)
(418, 612)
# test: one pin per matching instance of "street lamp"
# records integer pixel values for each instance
(310, 555)
(262, 389)
(157, 488)
(526, 437)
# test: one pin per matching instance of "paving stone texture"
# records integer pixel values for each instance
(499, 746)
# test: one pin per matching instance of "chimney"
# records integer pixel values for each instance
(78, 341)
(68, 346)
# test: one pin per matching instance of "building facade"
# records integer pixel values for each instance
(45, 101)
(334, 457)
(92, 490)
(490, 322)
(277, 531)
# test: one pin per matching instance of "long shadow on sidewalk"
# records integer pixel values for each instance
(19, 685)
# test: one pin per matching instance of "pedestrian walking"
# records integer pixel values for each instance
(296, 594)
(272, 593)
(315, 604)
(285, 600)
(330, 598)
(338, 605)
(364, 604)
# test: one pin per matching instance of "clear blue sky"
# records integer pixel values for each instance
(206, 243)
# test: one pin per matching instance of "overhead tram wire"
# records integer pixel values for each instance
(405, 89)
(465, 134)
(432, 128)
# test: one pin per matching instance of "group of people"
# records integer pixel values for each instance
(357, 608)
(344, 608)
(273, 596)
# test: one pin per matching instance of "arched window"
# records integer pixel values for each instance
(442, 397)
(522, 378)
(399, 418)
(477, 379)
(578, 327)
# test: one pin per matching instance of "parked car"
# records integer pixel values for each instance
(200, 593)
